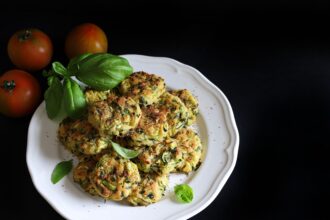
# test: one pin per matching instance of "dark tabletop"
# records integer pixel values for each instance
(272, 61)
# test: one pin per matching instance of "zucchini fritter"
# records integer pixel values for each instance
(79, 136)
(144, 88)
(114, 117)
(190, 102)
(81, 175)
(178, 113)
(150, 190)
(159, 158)
(189, 149)
(114, 177)
(152, 127)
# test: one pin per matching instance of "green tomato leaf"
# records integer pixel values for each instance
(124, 152)
(53, 97)
(102, 71)
(73, 99)
(60, 170)
(183, 193)
(58, 68)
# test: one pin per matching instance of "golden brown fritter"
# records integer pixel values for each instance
(114, 117)
(189, 149)
(159, 157)
(114, 177)
(150, 190)
(178, 114)
(152, 127)
(190, 102)
(144, 88)
(81, 175)
(79, 136)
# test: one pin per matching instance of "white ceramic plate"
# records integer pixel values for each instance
(216, 127)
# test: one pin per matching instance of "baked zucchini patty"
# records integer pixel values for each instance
(190, 102)
(114, 117)
(189, 149)
(81, 175)
(178, 113)
(152, 127)
(158, 158)
(79, 136)
(113, 177)
(144, 88)
(150, 190)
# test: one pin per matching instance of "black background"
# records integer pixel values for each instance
(272, 60)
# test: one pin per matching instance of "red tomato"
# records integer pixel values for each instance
(86, 38)
(19, 93)
(30, 49)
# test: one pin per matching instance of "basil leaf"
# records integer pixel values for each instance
(73, 99)
(102, 71)
(183, 193)
(58, 68)
(53, 97)
(60, 170)
(73, 65)
(50, 80)
(124, 152)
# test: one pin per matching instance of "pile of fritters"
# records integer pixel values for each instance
(141, 115)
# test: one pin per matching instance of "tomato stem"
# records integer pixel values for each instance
(8, 85)
(24, 35)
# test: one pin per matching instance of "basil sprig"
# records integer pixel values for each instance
(53, 96)
(101, 71)
(73, 98)
(183, 193)
(124, 152)
(60, 170)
